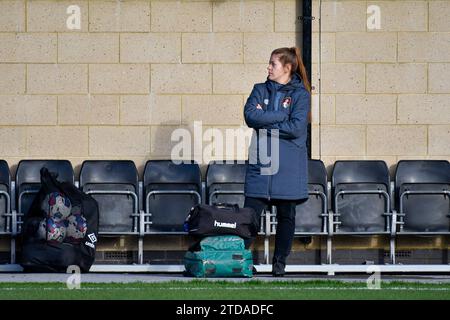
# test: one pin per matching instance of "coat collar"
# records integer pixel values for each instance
(295, 83)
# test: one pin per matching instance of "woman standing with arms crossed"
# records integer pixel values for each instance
(280, 106)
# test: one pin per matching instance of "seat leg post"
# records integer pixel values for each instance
(13, 250)
(267, 233)
(14, 227)
(329, 250)
(266, 249)
(392, 250)
(141, 250)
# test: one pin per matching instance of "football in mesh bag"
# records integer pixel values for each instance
(76, 228)
(76, 210)
(56, 230)
(44, 204)
(59, 206)
(42, 229)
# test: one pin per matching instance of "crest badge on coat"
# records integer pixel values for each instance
(286, 102)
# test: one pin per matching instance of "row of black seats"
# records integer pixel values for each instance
(363, 200)
(170, 191)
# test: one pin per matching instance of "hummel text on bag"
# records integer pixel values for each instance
(224, 224)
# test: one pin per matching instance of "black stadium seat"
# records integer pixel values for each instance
(115, 186)
(422, 189)
(360, 197)
(28, 179)
(361, 201)
(170, 191)
(5, 198)
(8, 217)
(312, 216)
(225, 182)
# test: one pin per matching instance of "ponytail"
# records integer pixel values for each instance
(301, 70)
(293, 57)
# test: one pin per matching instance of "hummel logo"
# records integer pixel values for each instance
(92, 237)
(89, 245)
(224, 224)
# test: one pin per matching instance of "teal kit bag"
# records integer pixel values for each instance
(219, 256)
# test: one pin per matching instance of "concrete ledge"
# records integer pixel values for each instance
(265, 268)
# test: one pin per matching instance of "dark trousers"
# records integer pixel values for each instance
(285, 223)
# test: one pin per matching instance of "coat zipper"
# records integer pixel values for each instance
(273, 98)
(270, 174)
(269, 187)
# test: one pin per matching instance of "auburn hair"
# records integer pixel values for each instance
(293, 57)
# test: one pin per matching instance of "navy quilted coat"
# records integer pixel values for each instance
(287, 178)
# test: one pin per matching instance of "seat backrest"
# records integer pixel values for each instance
(361, 212)
(5, 187)
(110, 182)
(28, 179)
(360, 171)
(317, 173)
(170, 210)
(308, 217)
(424, 212)
(223, 177)
(421, 171)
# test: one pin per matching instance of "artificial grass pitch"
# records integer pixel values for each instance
(224, 290)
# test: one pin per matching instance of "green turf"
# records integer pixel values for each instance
(222, 290)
